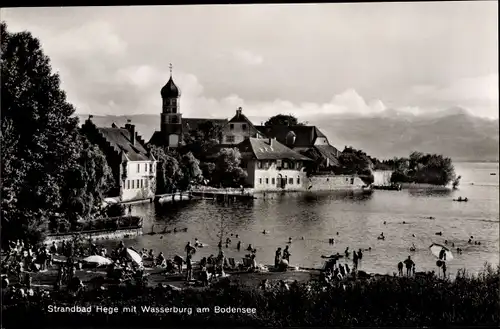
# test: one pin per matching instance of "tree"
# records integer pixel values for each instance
(168, 173)
(284, 120)
(424, 169)
(191, 172)
(39, 137)
(202, 140)
(86, 183)
(228, 172)
(355, 162)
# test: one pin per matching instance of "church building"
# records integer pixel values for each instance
(173, 126)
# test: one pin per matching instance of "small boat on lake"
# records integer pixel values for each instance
(493, 173)
(461, 200)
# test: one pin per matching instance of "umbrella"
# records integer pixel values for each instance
(98, 260)
(134, 256)
(436, 250)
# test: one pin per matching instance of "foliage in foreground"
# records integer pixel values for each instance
(49, 171)
(384, 301)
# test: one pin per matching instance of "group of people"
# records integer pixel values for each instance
(410, 267)
(280, 256)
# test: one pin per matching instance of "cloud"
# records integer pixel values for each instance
(247, 57)
(478, 95)
(104, 72)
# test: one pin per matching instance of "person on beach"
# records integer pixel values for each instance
(346, 252)
(250, 248)
(286, 254)
(409, 264)
(400, 268)
(277, 258)
(238, 245)
(189, 265)
(360, 254)
(442, 254)
(444, 270)
(355, 260)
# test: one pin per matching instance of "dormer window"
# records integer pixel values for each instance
(244, 126)
(231, 126)
(285, 165)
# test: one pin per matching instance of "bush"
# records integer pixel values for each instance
(115, 210)
(383, 301)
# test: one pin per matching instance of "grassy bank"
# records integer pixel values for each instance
(382, 301)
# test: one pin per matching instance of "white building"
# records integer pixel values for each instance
(271, 166)
(133, 166)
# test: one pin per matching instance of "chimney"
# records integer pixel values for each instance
(238, 111)
(131, 128)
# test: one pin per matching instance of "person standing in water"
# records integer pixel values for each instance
(286, 254)
(277, 258)
(238, 245)
(409, 265)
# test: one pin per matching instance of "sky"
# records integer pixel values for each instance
(302, 59)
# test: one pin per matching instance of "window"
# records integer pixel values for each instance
(285, 165)
(231, 126)
(273, 181)
(260, 180)
(128, 184)
(267, 180)
(142, 184)
(290, 181)
(173, 101)
(297, 165)
(229, 139)
(259, 164)
(278, 163)
(150, 167)
(138, 168)
(133, 184)
(137, 184)
(244, 126)
(298, 180)
(146, 167)
(266, 164)
(174, 119)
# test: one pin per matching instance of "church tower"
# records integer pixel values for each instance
(171, 118)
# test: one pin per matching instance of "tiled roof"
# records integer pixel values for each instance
(119, 138)
(193, 123)
(240, 117)
(330, 152)
(158, 139)
(265, 149)
(305, 135)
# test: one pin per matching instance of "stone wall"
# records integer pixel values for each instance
(96, 235)
(334, 183)
(382, 177)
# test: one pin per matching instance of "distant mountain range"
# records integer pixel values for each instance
(453, 133)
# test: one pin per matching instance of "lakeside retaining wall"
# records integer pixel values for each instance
(411, 186)
(96, 235)
(334, 183)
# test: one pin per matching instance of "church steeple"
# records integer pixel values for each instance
(171, 125)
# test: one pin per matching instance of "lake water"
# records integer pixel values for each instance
(357, 219)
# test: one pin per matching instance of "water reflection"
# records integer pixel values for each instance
(358, 219)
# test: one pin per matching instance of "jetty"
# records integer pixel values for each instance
(392, 187)
(224, 195)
